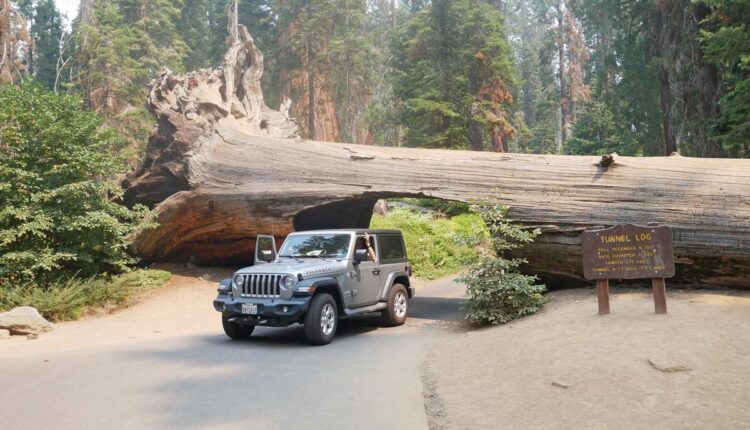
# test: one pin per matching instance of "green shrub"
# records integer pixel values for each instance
(70, 298)
(496, 291)
(58, 210)
(437, 246)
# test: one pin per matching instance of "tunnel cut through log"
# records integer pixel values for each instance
(352, 213)
(222, 167)
(243, 185)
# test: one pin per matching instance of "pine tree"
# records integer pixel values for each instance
(46, 32)
(531, 29)
(726, 43)
(106, 73)
(353, 57)
(121, 46)
(595, 131)
(306, 30)
(454, 77)
(154, 25)
(380, 121)
(196, 32)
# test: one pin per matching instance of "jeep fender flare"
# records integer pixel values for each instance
(325, 284)
(397, 277)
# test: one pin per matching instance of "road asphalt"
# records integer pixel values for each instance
(166, 363)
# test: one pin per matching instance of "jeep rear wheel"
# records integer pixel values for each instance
(398, 306)
(234, 330)
(321, 320)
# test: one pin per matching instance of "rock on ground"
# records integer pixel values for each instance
(24, 320)
(381, 207)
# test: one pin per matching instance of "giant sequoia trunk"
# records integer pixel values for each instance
(217, 179)
(309, 88)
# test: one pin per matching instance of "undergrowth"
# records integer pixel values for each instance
(70, 299)
(438, 246)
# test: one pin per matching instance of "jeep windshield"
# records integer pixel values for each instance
(316, 246)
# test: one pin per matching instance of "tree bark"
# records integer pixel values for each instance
(13, 38)
(216, 179)
(565, 101)
(665, 101)
(665, 94)
(394, 15)
(311, 92)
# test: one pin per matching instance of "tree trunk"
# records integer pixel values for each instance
(476, 135)
(86, 12)
(13, 37)
(217, 178)
(564, 91)
(311, 92)
(665, 98)
(665, 95)
(233, 22)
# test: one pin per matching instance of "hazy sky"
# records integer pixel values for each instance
(68, 8)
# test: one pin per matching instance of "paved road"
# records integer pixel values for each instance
(167, 364)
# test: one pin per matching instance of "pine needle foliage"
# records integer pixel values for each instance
(496, 291)
(58, 215)
(726, 43)
(453, 76)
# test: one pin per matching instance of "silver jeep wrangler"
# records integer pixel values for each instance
(316, 278)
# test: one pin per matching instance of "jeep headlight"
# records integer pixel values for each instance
(288, 282)
(237, 281)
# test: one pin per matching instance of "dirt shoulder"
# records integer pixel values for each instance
(566, 367)
(182, 306)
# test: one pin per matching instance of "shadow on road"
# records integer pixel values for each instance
(276, 369)
(275, 377)
(436, 308)
(295, 335)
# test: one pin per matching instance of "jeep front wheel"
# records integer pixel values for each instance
(398, 306)
(236, 331)
(321, 320)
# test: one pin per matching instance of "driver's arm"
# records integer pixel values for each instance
(370, 251)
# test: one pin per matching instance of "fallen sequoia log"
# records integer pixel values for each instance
(216, 182)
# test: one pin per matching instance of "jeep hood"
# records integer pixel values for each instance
(306, 267)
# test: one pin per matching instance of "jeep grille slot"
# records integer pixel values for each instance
(262, 286)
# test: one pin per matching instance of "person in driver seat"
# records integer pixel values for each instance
(364, 243)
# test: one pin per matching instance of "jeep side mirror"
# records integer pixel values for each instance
(360, 255)
(266, 256)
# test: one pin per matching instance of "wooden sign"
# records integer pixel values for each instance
(629, 252)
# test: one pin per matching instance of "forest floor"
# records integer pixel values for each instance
(568, 368)
(165, 363)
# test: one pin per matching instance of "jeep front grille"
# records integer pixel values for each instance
(263, 286)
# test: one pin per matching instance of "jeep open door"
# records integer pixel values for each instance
(366, 285)
(265, 249)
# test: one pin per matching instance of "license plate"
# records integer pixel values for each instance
(250, 309)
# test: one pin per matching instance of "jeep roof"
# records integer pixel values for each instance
(351, 230)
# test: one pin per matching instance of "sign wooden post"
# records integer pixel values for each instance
(660, 295)
(629, 252)
(602, 290)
